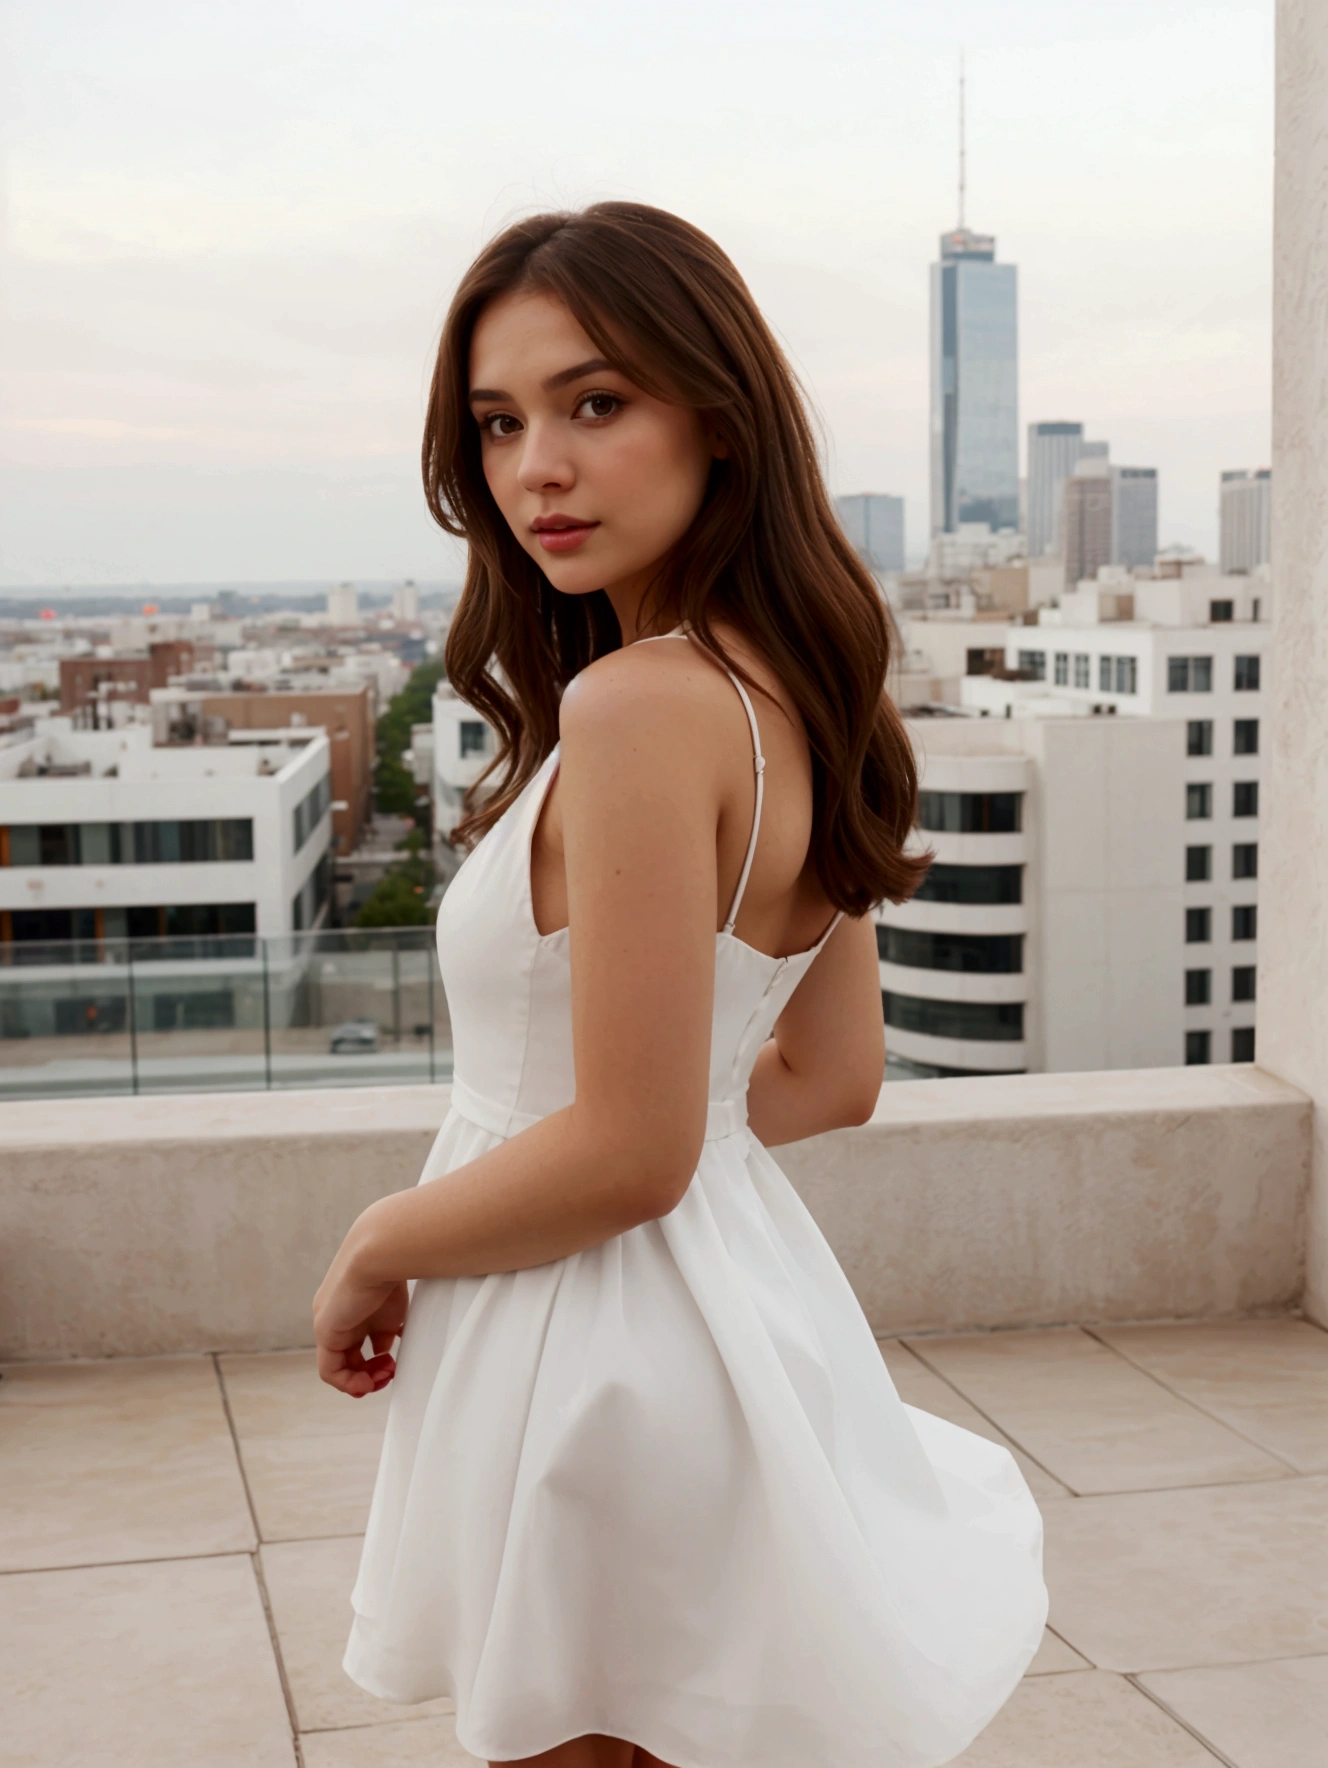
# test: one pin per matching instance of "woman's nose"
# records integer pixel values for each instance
(545, 465)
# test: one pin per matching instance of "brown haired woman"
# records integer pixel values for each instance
(647, 1494)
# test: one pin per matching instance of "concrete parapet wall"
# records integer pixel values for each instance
(130, 1227)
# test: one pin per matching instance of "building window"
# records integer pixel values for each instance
(971, 884)
(1127, 675)
(970, 813)
(1198, 926)
(1198, 988)
(310, 811)
(1242, 1043)
(983, 1021)
(474, 737)
(194, 842)
(1256, 609)
(1242, 982)
(1247, 674)
(1189, 675)
(1082, 676)
(1220, 611)
(1033, 665)
(1245, 921)
(1198, 1048)
(1198, 802)
(1198, 865)
(1246, 737)
(986, 954)
(1104, 675)
(1245, 859)
(1245, 798)
(1199, 736)
(1062, 668)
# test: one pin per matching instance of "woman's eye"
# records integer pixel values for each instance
(598, 405)
(502, 423)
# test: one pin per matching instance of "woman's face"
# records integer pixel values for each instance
(596, 478)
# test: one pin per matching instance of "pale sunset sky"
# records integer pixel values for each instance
(230, 233)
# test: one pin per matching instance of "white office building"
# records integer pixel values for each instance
(874, 524)
(463, 746)
(406, 603)
(104, 837)
(1094, 809)
(343, 605)
(1246, 520)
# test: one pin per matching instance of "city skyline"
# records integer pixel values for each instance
(230, 242)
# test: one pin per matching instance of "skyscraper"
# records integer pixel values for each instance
(1086, 522)
(1133, 516)
(874, 525)
(1053, 450)
(974, 385)
(1247, 508)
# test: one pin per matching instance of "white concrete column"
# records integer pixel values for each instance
(1293, 863)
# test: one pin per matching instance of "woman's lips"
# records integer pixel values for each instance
(565, 539)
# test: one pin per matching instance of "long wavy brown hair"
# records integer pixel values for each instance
(765, 554)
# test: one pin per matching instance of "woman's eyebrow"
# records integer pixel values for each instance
(596, 365)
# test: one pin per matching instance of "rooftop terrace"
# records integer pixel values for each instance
(180, 1536)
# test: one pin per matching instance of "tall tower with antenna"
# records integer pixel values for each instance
(974, 373)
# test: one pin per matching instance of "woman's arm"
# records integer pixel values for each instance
(639, 796)
(822, 1069)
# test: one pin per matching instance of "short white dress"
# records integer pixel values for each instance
(664, 1489)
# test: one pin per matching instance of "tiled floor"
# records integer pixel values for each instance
(178, 1539)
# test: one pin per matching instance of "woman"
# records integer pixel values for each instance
(647, 1494)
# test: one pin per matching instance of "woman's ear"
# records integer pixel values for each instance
(716, 442)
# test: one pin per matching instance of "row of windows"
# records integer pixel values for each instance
(971, 884)
(981, 954)
(1115, 675)
(1199, 985)
(983, 1021)
(1199, 862)
(1199, 800)
(1194, 675)
(971, 813)
(1244, 736)
(1199, 1045)
(129, 844)
(1120, 675)
(141, 921)
(310, 811)
(1244, 923)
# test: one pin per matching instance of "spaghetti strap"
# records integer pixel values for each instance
(758, 762)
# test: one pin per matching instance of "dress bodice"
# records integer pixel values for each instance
(509, 986)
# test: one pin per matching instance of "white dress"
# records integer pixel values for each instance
(664, 1489)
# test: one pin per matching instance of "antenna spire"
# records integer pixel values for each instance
(963, 157)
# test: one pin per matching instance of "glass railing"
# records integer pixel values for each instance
(360, 1007)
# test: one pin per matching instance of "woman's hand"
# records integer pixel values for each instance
(347, 1310)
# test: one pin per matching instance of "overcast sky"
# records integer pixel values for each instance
(231, 231)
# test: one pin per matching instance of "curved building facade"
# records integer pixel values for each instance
(954, 960)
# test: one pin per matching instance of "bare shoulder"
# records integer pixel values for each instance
(670, 689)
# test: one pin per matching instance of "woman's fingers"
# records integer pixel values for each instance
(351, 1373)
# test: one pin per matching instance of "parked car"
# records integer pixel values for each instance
(356, 1036)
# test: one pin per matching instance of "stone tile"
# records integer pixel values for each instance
(310, 1454)
(1054, 1657)
(304, 1489)
(1260, 1715)
(1084, 1721)
(1089, 1416)
(1173, 1580)
(140, 1666)
(922, 1387)
(113, 1461)
(309, 1585)
(430, 1743)
(1266, 1378)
